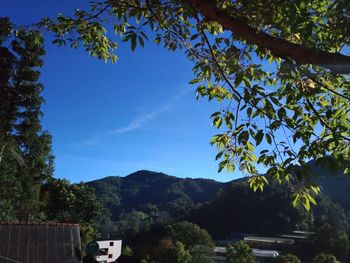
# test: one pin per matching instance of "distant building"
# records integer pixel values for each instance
(39, 243)
(262, 255)
(109, 250)
(273, 240)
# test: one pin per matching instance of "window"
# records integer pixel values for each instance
(103, 252)
(111, 244)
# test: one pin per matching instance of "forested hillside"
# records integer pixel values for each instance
(144, 198)
(238, 209)
(141, 204)
(168, 196)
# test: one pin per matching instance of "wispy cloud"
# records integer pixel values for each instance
(93, 140)
(139, 121)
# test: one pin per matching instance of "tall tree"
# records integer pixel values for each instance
(278, 115)
(26, 160)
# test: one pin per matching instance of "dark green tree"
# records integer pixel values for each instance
(240, 252)
(26, 160)
(189, 234)
(325, 258)
(331, 229)
(222, 216)
(127, 251)
(72, 203)
(172, 252)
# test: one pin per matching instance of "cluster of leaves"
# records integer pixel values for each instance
(275, 116)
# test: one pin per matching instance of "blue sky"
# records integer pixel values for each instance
(114, 119)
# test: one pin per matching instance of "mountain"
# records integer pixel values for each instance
(136, 201)
(141, 189)
(334, 183)
(337, 188)
(237, 209)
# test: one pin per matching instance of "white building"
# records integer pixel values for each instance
(109, 250)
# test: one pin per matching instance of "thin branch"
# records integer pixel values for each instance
(275, 143)
(236, 120)
(331, 90)
(98, 13)
(323, 121)
(288, 141)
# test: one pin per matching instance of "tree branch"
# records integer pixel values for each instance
(323, 122)
(282, 48)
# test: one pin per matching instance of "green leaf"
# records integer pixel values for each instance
(141, 41)
(258, 137)
(296, 200)
(133, 42)
(268, 138)
(219, 155)
(312, 200)
(193, 81)
(238, 79)
(306, 204)
(217, 122)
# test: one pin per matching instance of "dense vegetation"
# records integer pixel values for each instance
(134, 204)
(139, 215)
(26, 158)
(28, 191)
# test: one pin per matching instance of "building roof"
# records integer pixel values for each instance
(37, 223)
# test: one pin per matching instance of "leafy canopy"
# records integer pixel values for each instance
(279, 68)
(240, 252)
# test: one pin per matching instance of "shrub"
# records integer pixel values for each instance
(287, 258)
(240, 252)
(325, 258)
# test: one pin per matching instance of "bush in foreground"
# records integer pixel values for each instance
(325, 258)
(287, 258)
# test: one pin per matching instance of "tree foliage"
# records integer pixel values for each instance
(325, 258)
(279, 69)
(72, 203)
(26, 160)
(191, 235)
(287, 258)
(172, 252)
(27, 188)
(332, 230)
(267, 213)
(240, 252)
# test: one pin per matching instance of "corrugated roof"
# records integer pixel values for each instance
(38, 223)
